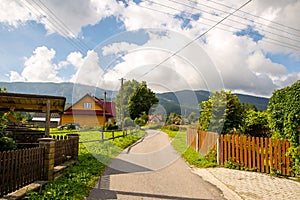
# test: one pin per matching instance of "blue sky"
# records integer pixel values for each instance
(254, 51)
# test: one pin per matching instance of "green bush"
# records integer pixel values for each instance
(7, 144)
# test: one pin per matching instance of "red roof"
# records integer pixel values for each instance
(110, 108)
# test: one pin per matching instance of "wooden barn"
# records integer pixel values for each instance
(89, 111)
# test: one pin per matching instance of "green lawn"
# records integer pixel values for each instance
(94, 156)
(190, 155)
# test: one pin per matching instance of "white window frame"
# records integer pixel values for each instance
(87, 105)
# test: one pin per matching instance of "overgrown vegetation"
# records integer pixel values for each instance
(284, 113)
(223, 113)
(6, 143)
(77, 181)
(134, 101)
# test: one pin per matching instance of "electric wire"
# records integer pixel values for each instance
(196, 38)
(232, 20)
(271, 40)
(38, 11)
(256, 16)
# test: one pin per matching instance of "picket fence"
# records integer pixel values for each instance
(24, 166)
(20, 168)
(259, 154)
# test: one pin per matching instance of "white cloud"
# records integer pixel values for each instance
(14, 12)
(118, 48)
(76, 59)
(258, 63)
(89, 73)
(38, 67)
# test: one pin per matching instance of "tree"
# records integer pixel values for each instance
(221, 113)
(125, 92)
(284, 113)
(193, 117)
(174, 118)
(255, 123)
(141, 101)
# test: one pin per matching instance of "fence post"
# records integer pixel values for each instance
(75, 138)
(49, 146)
(218, 150)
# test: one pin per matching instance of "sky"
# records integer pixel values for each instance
(246, 47)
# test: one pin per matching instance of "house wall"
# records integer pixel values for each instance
(83, 120)
(86, 99)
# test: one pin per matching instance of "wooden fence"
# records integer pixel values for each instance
(65, 149)
(20, 168)
(201, 141)
(260, 154)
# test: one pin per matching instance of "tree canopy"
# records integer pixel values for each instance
(137, 100)
(220, 113)
(141, 100)
(284, 113)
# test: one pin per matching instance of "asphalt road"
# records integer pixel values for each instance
(152, 169)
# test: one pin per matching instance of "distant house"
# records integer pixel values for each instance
(88, 111)
(155, 119)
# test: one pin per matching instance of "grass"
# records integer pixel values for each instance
(190, 155)
(94, 156)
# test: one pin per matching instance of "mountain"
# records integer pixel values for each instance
(182, 102)
(187, 101)
(72, 92)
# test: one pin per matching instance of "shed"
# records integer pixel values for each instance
(33, 103)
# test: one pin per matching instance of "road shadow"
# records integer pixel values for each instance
(113, 194)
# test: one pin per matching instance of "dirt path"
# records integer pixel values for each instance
(152, 169)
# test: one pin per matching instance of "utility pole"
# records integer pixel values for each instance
(121, 104)
(104, 110)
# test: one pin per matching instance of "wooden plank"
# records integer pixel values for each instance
(283, 164)
(271, 153)
(257, 154)
(222, 150)
(229, 147)
(275, 155)
(241, 160)
(237, 155)
(288, 160)
(3, 178)
(1, 173)
(262, 154)
(249, 153)
(267, 155)
(233, 154)
(254, 153)
(245, 151)
(279, 155)
(226, 149)
(9, 170)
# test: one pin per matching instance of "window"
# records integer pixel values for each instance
(87, 105)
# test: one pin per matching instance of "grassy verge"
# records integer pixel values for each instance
(77, 181)
(190, 155)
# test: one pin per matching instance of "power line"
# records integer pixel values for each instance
(270, 40)
(196, 38)
(226, 12)
(56, 25)
(254, 15)
(64, 26)
(232, 20)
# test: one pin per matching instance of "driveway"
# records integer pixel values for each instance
(152, 169)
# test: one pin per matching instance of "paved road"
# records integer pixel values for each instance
(152, 169)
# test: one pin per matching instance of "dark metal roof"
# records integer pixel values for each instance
(31, 102)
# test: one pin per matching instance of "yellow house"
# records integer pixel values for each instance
(88, 111)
